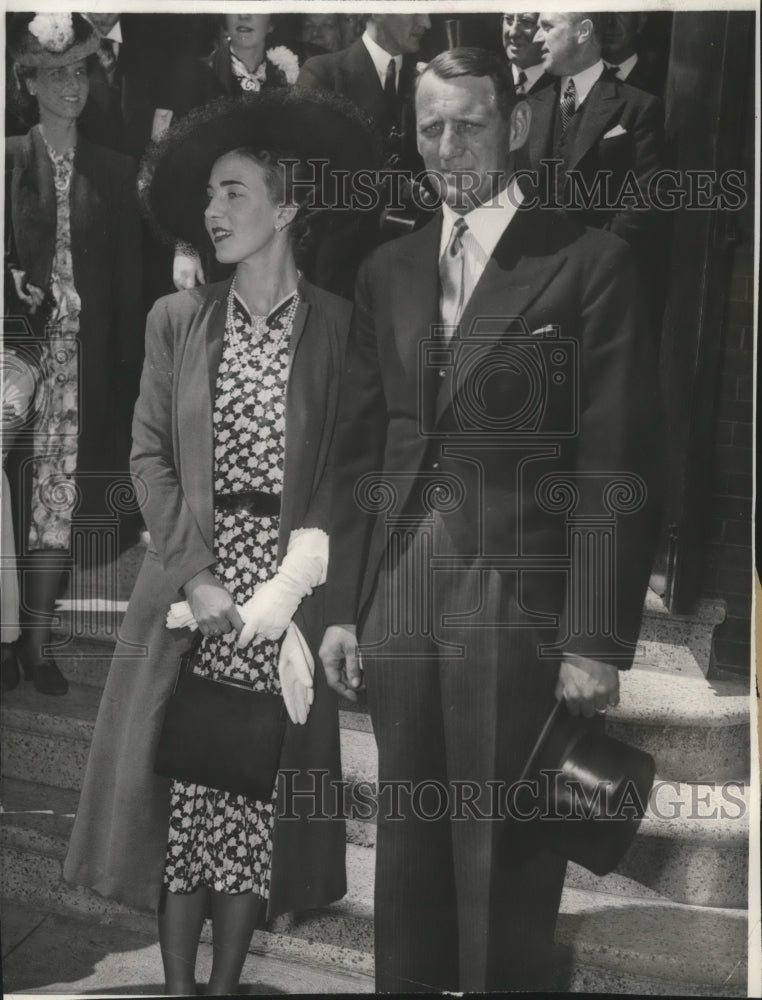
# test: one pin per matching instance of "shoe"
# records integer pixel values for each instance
(9, 668)
(47, 678)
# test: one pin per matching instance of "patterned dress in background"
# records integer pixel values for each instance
(217, 839)
(57, 426)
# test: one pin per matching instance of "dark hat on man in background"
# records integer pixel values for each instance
(50, 40)
(305, 125)
(592, 790)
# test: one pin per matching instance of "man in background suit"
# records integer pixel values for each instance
(524, 53)
(620, 53)
(119, 110)
(377, 73)
(442, 444)
(602, 131)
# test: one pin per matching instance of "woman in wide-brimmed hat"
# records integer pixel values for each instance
(231, 436)
(248, 58)
(73, 269)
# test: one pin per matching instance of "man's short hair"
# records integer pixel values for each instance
(598, 19)
(472, 61)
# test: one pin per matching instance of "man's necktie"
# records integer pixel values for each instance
(390, 91)
(107, 56)
(614, 70)
(568, 105)
(452, 275)
(521, 83)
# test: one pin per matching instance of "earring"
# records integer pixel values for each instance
(277, 227)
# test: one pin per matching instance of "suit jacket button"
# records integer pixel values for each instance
(435, 465)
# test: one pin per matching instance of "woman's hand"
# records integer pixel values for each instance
(212, 606)
(187, 271)
(30, 295)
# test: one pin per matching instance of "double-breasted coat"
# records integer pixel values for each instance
(118, 844)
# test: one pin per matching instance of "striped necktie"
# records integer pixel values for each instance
(568, 105)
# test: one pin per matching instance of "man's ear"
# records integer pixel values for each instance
(521, 119)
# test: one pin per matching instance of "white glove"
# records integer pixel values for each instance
(296, 669)
(273, 604)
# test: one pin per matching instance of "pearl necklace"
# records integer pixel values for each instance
(270, 346)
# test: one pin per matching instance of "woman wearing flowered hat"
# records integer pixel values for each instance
(231, 437)
(73, 257)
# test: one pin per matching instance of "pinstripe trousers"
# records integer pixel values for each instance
(457, 696)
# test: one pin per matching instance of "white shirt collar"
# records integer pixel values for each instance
(381, 58)
(488, 222)
(115, 34)
(626, 66)
(533, 74)
(583, 81)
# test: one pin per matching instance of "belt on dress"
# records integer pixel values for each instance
(253, 502)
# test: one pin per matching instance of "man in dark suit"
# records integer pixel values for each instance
(121, 104)
(602, 131)
(377, 73)
(621, 37)
(516, 372)
(524, 53)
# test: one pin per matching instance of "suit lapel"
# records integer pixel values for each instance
(362, 84)
(515, 275)
(415, 293)
(543, 105)
(201, 356)
(602, 105)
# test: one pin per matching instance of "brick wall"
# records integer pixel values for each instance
(728, 552)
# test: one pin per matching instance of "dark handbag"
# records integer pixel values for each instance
(221, 734)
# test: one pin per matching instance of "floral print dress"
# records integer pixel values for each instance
(57, 426)
(217, 839)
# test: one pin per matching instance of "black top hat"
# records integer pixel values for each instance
(311, 126)
(591, 790)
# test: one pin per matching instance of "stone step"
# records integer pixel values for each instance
(696, 729)
(600, 935)
(692, 846)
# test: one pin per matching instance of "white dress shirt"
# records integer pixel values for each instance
(583, 82)
(532, 73)
(381, 59)
(486, 224)
(626, 66)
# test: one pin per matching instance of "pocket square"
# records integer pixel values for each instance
(543, 331)
(615, 131)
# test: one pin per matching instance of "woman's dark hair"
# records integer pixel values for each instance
(289, 182)
(471, 61)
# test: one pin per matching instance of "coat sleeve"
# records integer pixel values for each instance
(174, 530)
(618, 468)
(359, 445)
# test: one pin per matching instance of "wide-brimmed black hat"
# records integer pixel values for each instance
(308, 125)
(592, 790)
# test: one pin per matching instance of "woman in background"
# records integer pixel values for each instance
(73, 253)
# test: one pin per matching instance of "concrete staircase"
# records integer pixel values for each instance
(670, 921)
